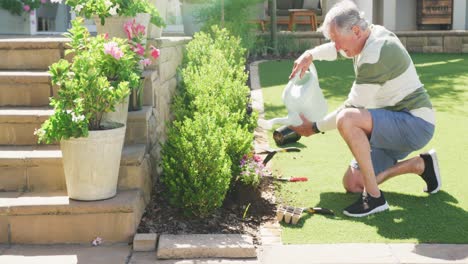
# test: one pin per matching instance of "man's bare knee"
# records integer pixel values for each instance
(352, 181)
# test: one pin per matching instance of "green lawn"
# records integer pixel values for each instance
(414, 216)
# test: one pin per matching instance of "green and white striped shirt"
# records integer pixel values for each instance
(385, 78)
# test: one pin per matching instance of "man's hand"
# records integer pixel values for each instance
(305, 129)
(301, 65)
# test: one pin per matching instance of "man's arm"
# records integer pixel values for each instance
(325, 51)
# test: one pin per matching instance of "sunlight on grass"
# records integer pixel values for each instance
(414, 216)
(420, 65)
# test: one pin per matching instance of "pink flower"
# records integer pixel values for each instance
(155, 52)
(26, 8)
(128, 29)
(257, 158)
(106, 36)
(43, 1)
(113, 49)
(145, 62)
(139, 29)
(139, 49)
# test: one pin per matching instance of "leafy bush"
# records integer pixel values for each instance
(196, 167)
(212, 95)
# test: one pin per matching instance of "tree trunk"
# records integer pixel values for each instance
(222, 13)
(274, 28)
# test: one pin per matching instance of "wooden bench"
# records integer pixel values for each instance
(294, 13)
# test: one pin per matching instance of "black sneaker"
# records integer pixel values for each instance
(366, 205)
(431, 174)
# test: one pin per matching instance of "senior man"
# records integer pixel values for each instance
(387, 115)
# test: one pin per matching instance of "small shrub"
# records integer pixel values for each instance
(196, 167)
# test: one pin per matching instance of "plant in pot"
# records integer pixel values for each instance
(98, 77)
(117, 12)
(137, 39)
(16, 7)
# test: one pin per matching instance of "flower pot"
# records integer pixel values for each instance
(113, 26)
(136, 97)
(119, 115)
(91, 164)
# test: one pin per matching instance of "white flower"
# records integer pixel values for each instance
(113, 10)
(39, 132)
(78, 8)
(108, 3)
(56, 1)
(77, 119)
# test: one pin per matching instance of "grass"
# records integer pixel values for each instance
(414, 216)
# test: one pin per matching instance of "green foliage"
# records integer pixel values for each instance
(16, 7)
(195, 165)
(99, 77)
(212, 92)
(237, 19)
(107, 8)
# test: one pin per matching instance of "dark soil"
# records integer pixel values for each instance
(243, 211)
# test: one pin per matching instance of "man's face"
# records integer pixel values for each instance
(349, 43)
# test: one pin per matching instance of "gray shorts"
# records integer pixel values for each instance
(394, 136)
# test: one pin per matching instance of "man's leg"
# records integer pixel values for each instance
(425, 166)
(355, 127)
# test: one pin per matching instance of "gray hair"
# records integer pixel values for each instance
(344, 15)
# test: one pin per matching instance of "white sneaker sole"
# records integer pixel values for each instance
(435, 164)
(373, 211)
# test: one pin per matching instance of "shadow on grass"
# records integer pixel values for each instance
(430, 219)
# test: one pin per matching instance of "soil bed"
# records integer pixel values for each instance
(242, 213)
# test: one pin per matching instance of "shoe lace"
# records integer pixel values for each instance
(365, 201)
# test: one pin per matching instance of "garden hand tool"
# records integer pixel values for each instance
(291, 214)
(271, 152)
(289, 179)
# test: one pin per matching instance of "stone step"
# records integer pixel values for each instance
(30, 53)
(50, 218)
(17, 125)
(205, 246)
(25, 88)
(40, 169)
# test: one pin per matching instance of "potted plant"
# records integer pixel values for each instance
(98, 77)
(116, 12)
(136, 37)
(16, 7)
(137, 40)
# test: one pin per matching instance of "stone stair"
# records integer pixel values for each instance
(34, 207)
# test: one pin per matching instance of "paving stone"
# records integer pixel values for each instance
(145, 242)
(65, 254)
(205, 246)
(430, 253)
(150, 258)
(327, 253)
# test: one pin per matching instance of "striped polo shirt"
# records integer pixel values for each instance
(385, 78)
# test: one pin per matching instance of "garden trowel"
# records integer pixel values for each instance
(271, 152)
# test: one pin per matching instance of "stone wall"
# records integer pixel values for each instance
(454, 41)
(160, 86)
